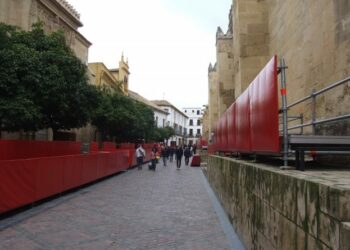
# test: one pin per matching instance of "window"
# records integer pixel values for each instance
(157, 121)
(198, 122)
(163, 123)
(185, 111)
(191, 122)
(198, 131)
(192, 111)
(198, 112)
(191, 132)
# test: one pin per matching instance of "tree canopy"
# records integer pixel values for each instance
(124, 119)
(42, 83)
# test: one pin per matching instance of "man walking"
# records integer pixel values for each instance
(187, 154)
(179, 152)
(140, 154)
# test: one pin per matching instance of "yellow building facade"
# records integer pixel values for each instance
(115, 80)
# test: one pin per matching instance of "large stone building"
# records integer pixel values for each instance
(54, 14)
(314, 38)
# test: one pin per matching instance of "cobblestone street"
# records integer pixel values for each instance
(165, 209)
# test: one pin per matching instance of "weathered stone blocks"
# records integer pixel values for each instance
(275, 209)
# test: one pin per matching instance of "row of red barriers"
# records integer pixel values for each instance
(250, 124)
(14, 149)
(34, 170)
(24, 181)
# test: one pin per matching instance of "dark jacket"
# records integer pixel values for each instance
(187, 152)
(179, 152)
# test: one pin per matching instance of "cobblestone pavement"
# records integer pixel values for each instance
(138, 209)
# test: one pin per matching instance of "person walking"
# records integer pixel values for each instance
(164, 153)
(187, 154)
(171, 153)
(140, 154)
(153, 163)
(178, 153)
(194, 149)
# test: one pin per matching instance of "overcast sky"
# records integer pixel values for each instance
(169, 43)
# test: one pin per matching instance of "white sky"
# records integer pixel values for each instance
(169, 43)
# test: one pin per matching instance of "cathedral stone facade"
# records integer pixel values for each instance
(314, 38)
(54, 14)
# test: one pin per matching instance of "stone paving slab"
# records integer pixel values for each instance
(138, 209)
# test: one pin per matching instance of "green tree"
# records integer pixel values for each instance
(42, 83)
(122, 118)
(163, 134)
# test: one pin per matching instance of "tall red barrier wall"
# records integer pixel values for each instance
(231, 128)
(223, 126)
(252, 121)
(218, 135)
(243, 123)
(264, 110)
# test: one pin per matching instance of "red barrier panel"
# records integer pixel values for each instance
(264, 110)
(17, 184)
(15, 149)
(89, 168)
(218, 135)
(224, 132)
(109, 146)
(243, 123)
(102, 165)
(49, 176)
(231, 128)
(72, 171)
(93, 146)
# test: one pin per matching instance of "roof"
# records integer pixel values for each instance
(140, 98)
(165, 103)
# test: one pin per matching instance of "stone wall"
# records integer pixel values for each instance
(251, 41)
(224, 65)
(276, 209)
(213, 109)
(314, 38)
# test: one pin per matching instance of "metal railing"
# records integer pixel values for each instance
(284, 110)
(313, 96)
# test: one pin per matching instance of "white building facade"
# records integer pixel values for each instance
(176, 119)
(194, 125)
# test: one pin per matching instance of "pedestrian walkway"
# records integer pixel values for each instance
(138, 209)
